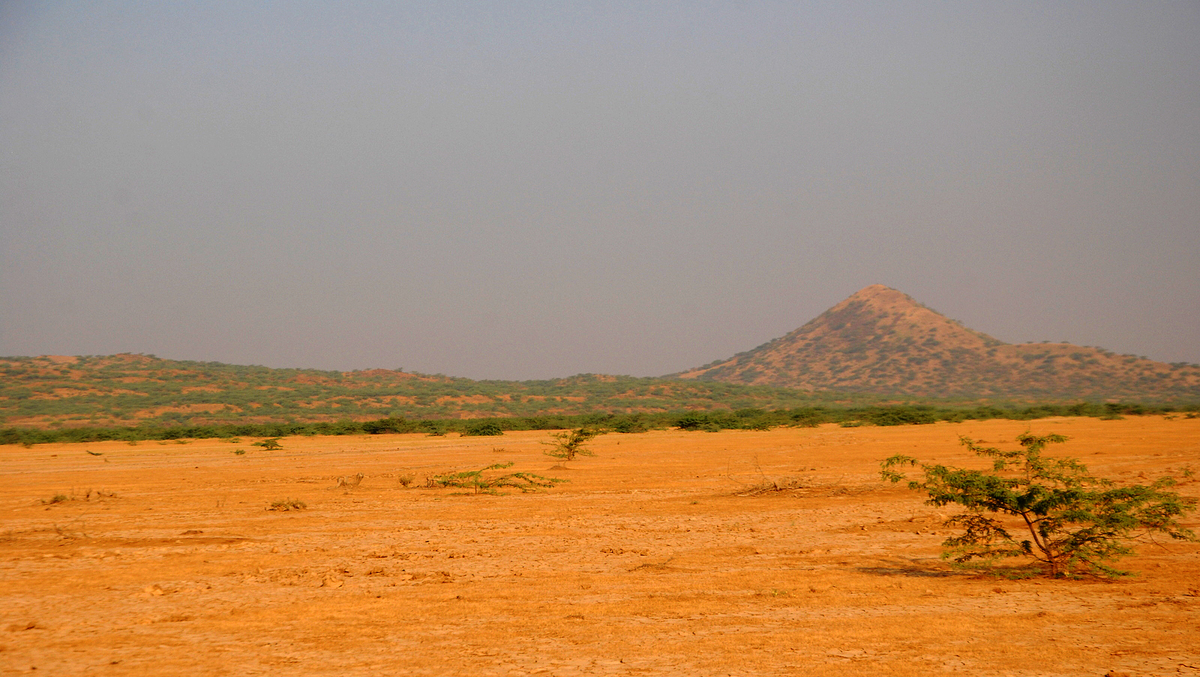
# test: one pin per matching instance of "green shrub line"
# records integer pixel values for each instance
(711, 421)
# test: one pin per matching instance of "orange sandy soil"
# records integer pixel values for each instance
(650, 561)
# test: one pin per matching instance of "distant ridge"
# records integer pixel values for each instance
(882, 341)
(135, 390)
(877, 347)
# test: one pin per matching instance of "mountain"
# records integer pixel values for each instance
(877, 346)
(882, 341)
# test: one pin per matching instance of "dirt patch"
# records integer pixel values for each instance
(653, 559)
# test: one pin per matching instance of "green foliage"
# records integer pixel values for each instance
(708, 421)
(119, 388)
(569, 444)
(484, 429)
(902, 416)
(101, 396)
(391, 425)
(270, 444)
(481, 483)
(632, 423)
(1074, 522)
(434, 428)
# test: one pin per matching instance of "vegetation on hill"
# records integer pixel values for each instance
(142, 390)
(881, 341)
(860, 359)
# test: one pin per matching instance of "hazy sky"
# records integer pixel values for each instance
(527, 190)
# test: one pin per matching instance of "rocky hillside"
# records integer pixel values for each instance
(127, 390)
(882, 341)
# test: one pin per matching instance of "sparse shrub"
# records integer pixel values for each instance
(239, 452)
(349, 481)
(57, 498)
(406, 480)
(288, 504)
(433, 428)
(767, 485)
(488, 428)
(270, 444)
(770, 485)
(390, 425)
(807, 419)
(479, 483)
(901, 415)
(707, 422)
(569, 443)
(634, 423)
(1076, 523)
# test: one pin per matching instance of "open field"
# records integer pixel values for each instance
(655, 558)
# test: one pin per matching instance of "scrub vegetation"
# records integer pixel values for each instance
(569, 444)
(742, 419)
(485, 481)
(1049, 509)
(140, 397)
(142, 390)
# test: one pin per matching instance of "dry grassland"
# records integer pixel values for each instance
(661, 555)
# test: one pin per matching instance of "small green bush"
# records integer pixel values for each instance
(486, 429)
(569, 444)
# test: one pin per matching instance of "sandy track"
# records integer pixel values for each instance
(648, 562)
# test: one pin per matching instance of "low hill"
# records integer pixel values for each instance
(877, 347)
(881, 341)
(129, 390)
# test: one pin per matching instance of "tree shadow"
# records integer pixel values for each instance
(909, 570)
(918, 570)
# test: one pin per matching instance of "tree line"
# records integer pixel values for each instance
(709, 421)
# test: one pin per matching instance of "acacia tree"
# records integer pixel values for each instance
(1073, 522)
(569, 444)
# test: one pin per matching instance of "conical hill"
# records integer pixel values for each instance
(882, 341)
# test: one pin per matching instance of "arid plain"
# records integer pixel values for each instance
(657, 557)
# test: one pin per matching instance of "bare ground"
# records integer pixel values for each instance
(667, 553)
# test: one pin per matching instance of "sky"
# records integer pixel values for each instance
(530, 190)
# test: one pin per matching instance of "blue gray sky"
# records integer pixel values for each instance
(524, 190)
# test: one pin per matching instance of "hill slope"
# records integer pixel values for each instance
(882, 341)
(126, 390)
